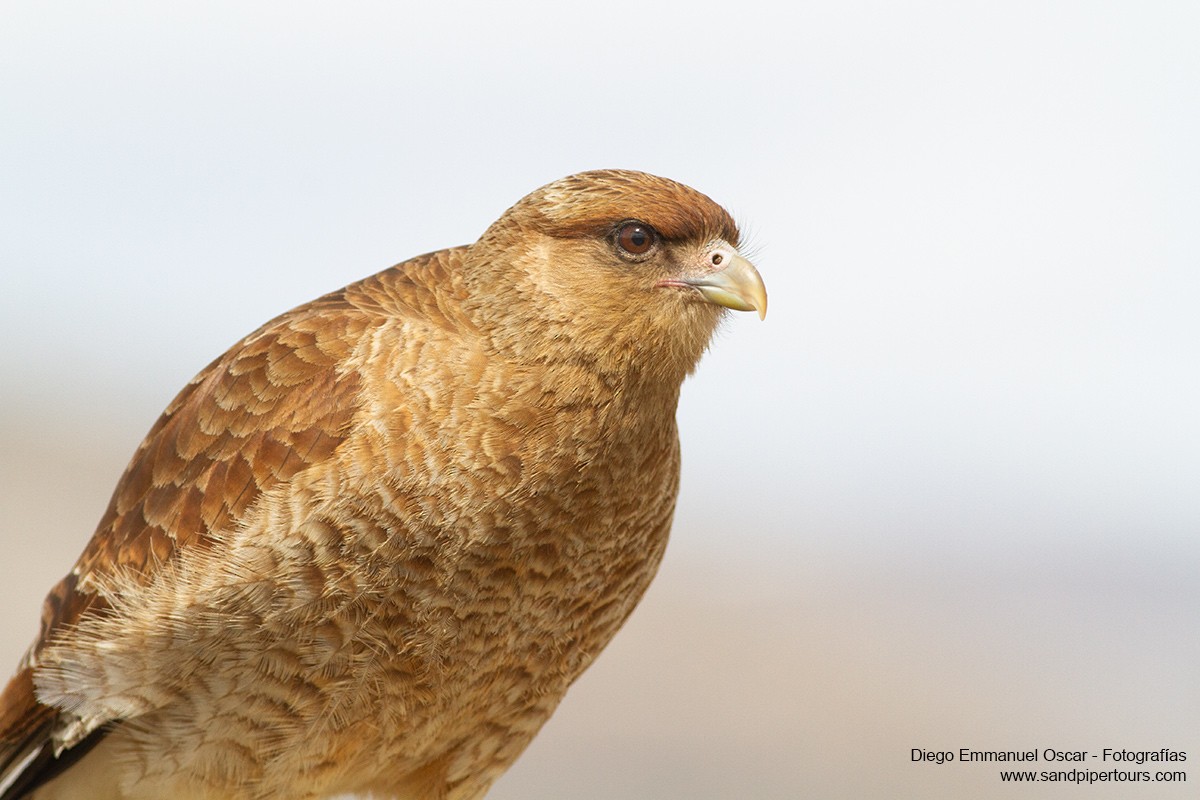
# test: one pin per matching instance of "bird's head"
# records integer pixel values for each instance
(622, 268)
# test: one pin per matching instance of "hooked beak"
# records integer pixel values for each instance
(736, 285)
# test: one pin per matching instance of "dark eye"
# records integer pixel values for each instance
(636, 238)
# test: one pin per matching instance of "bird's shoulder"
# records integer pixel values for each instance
(279, 401)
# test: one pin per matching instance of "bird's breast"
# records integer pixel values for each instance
(470, 547)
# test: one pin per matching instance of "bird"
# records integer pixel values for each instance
(368, 548)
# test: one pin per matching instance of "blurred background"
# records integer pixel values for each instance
(946, 496)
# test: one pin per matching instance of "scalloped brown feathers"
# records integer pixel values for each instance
(369, 547)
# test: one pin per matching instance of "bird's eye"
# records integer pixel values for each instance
(636, 238)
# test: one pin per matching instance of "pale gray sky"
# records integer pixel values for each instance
(978, 224)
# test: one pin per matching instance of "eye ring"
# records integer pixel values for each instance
(636, 238)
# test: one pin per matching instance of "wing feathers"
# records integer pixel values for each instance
(274, 404)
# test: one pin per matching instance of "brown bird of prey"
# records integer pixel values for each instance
(368, 548)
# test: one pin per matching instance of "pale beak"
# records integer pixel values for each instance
(737, 285)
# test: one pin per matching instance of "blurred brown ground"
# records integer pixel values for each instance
(764, 675)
